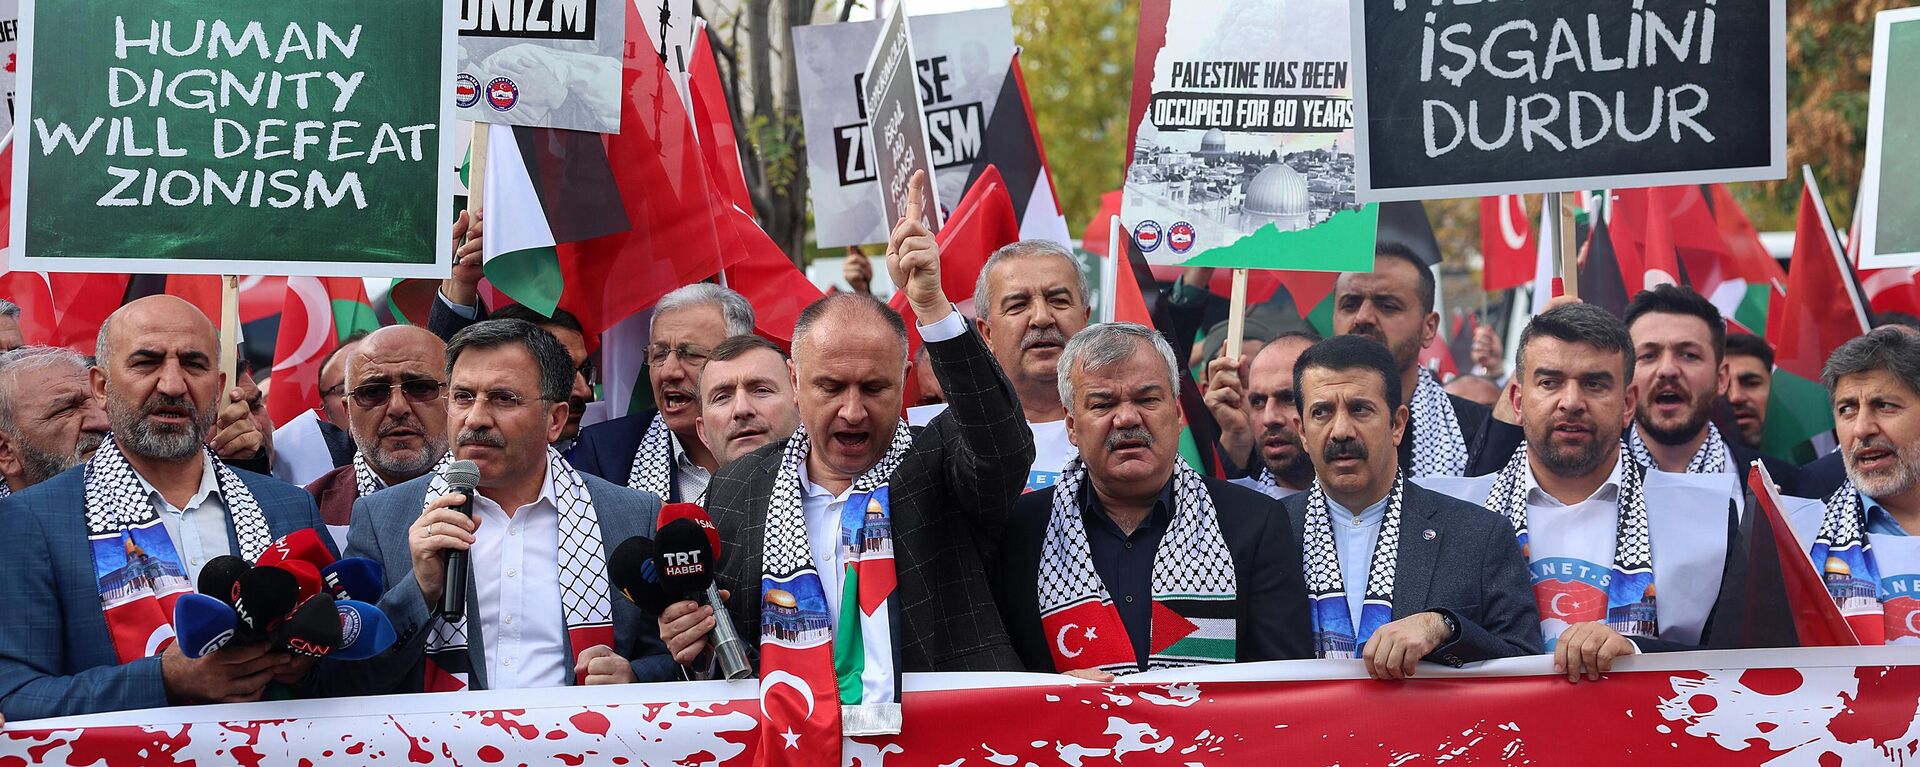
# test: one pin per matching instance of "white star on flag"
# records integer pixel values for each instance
(793, 738)
(1091, 635)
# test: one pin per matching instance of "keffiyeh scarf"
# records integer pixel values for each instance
(1334, 624)
(1843, 554)
(844, 667)
(1439, 448)
(584, 601)
(1194, 586)
(1630, 608)
(653, 463)
(1712, 457)
(366, 483)
(138, 569)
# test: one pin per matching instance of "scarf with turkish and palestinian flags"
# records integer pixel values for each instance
(1843, 555)
(584, 602)
(1194, 586)
(1337, 631)
(134, 559)
(845, 667)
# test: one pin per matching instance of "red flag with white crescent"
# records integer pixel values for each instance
(1507, 248)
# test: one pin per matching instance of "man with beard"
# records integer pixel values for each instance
(746, 398)
(1680, 371)
(81, 633)
(10, 336)
(659, 450)
(1396, 574)
(1750, 371)
(1393, 304)
(1092, 569)
(1262, 429)
(396, 415)
(49, 420)
(1031, 298)
(1599, 529)
(1866, 538)
(857, 501)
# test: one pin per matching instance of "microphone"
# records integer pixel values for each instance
(461, 477)
(263, 598)
(303, 545)
(357, 578)
(636, 576)
(688, 549)
(364, 630)
(204, 624)
(221, 575)
(313, 630)
(304, 575)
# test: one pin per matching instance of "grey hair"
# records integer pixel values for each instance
(555, 365)
(9, 309)
(733, 306)
(1107, 343)
(1895, 350)
(1022, 249)
(28, 358)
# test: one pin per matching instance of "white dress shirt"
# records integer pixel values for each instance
(689, 480)
(1354, 536)
(516, 570)
(199, 531)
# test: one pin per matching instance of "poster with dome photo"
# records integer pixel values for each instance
(1242, 135)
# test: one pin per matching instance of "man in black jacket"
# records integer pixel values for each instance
(1396, 573)
(1134, 561)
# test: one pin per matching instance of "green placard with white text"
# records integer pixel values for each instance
(298, 137)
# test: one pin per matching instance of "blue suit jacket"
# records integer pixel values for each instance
(56, 657)
(606, 450)
(379, 533)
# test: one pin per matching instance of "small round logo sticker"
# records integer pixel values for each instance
(1147, 235)
(1180, 237)
(466, 90)
(502, 94)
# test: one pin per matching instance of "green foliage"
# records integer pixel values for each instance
(1078, 59)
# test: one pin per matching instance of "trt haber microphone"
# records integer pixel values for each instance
(357, 578)
(264, 598)
(303, 545)
(221, 575)
(364, 630)
(203, 624)
(313, 630)
(461, 477)
(687, 550)
(635, 575)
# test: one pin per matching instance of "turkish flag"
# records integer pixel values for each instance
(1508, 250)
(1087, 635)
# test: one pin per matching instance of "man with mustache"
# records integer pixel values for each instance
(1601, 531)
(539, 610)
(1680, 369)
(572, 336)
(1750, 370)
(1866, 538)
(396, 415)
(660, 450)
(1393, 304)
(1090, 568)
(1396, 574)
(868, 531)
(1262, 429)
(49, 419)
(746, 397)
(1030, 299)
(82, 633)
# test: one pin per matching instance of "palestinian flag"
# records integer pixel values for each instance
(1602, 283)
(543, 187)
(1750, 281)
(1012, 148)
(1822, 308)
(318, 314)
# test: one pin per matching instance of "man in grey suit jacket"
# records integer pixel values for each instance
(539, 610)
(1396, 573)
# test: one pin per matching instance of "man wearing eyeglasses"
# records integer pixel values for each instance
(660, 450)
(396, 415)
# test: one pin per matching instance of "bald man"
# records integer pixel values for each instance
(393, 382)
(97, 557)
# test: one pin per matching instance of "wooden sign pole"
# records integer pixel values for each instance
(477, 168)
(230, 329)
(1237, 313)
(1561, 215)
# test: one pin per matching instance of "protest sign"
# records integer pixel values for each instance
(1889, 194)
(1460, 98)
(234, 137)
(541, 63)
(1243, 137)
(9, 53)
(961, 62)
(898, 131)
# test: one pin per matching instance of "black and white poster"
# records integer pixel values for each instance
(545, 63)
(898, 130)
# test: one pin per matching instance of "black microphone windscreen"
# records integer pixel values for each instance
(635, 575)
(313, 630)
(265, 596)
(685, 557)
(219, 576)
(462, 474)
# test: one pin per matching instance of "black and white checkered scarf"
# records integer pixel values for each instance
(653, 463)
(1711, 458)
(366, 483)
(1439, 448)
(117, 501)
(1327, 586)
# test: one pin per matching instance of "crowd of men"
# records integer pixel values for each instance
(1592, 504)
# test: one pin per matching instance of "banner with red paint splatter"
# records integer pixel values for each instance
(1824, 706)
